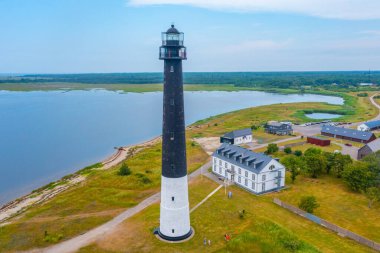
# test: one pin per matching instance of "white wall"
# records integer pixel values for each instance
(243, 139)
(270, 180)
(363, 127)
(174, 214)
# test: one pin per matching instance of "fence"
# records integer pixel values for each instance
(341, 231)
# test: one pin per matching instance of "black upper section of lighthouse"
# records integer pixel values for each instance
(173, 52)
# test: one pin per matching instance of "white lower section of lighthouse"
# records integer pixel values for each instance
(174, 209)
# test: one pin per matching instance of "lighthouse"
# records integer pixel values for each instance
(174, 208)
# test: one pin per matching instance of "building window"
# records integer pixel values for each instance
(215, 168)
(225, 173)
(220, 162)
(264, 177)
(172, 101)
(263, 187)
(214, 160)
(271, 167)
(232, 168)
(220, 170)
(172, 198)
(171, 69)
(253, 176)
(246, 182)
(279, 174)
(239, 171)
(253, 185)
(225, 165)
(239, 179)
(246, 174)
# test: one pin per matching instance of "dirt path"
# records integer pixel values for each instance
(74, 244)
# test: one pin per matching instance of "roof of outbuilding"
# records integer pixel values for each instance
(238, 133)
(374, 145)
(352, 133)
(244, 158)
(372, 124)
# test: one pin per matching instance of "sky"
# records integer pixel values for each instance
(103, 36)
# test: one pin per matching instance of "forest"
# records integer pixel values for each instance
(295, 80)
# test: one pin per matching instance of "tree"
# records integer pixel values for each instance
(298, 153)
(315, 164)
(373, 195)
(357, 176)
(330, 160)
(124, 170)
(313, 151)
(288, 150)
(292, 164)
(308, 204)
(272, 148)
(339, 163)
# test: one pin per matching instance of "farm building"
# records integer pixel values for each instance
(279, 128)
(369, 148)
(237, 137)
(255, 172)
(347, 134)
(318, 141)
(369, 126)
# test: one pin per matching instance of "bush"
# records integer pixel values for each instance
(272, 148)
(124, 170)
(143, 179)
(288, 150)
(298, 153)
(308, 204)
(364, 94)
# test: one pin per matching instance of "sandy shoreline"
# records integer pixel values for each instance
(20, 205)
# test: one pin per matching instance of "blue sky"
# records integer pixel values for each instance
(83, 36)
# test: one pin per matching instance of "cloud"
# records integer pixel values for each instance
(371, 32)
(334, 9)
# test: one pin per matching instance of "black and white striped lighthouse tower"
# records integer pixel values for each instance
(174, 209)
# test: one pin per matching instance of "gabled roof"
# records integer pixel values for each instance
(238, 133)
(347, 132)
(254, 162)
(372, 124)
(374, 145)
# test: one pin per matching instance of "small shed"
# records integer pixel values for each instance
(318, 141)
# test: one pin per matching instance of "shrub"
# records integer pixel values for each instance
(124, 170)
(272, 148)
(298, 153)
(143, 179)
(288, 150)
(308, 204)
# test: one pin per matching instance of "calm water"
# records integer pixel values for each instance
(323, 116)
(46, 135)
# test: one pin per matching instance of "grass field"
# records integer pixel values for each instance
(102, 196)
(265, 228)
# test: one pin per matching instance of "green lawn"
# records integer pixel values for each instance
(102, 196)
(265, 228)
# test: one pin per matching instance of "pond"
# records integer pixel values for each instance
(46, 135)
(323, 115)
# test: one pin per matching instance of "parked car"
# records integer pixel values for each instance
(348, 144)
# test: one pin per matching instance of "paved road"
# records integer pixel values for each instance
(74, 244)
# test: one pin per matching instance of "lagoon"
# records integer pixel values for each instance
(46, 135)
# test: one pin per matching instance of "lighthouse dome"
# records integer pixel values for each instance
(172, 29)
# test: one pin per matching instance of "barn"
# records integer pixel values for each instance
(347, 134)
(318, 141)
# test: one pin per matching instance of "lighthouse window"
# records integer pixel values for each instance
(171, 101)
(171, 69)
(172, 198)
(172, 166)
(173, 231)
(171, 136)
